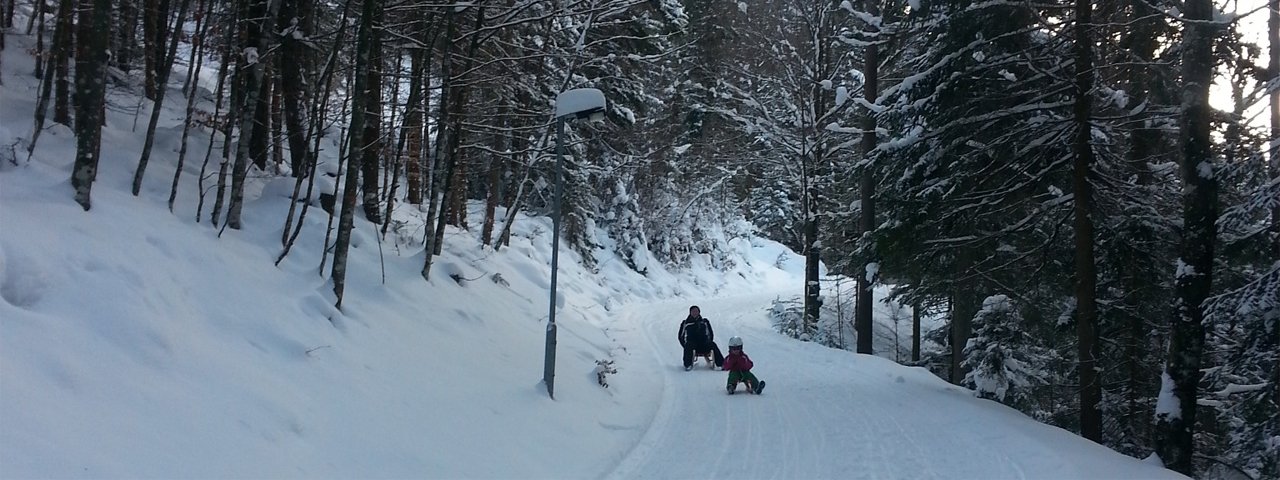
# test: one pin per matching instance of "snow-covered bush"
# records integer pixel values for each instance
(1002, 360)
(787, 316)
(626, 227)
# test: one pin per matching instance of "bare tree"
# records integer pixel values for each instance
(165, 64)
(91, 63)
(260, 33)
(155, 22)
(60, 59)
(363, 94)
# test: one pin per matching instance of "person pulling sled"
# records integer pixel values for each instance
(697, 337)
(739, 366)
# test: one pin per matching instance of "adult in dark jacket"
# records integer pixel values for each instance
(696, 336)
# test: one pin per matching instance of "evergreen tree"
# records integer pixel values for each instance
(1003, 362)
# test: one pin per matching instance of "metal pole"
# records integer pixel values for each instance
(549, 365)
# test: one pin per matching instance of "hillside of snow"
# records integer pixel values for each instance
(136, 342)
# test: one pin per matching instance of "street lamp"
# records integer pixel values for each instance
(577, 103)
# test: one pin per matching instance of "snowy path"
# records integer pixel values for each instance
(832, 414)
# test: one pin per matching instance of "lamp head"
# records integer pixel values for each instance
(580, 103)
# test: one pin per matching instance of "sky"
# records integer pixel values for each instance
(136, 342)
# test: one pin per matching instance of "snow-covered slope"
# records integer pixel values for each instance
(833, 414)
(135, 342)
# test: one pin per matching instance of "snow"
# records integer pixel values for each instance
(1183, 269)
(135, 342)
(579, 100)
(1205, 170)
(873, 269)
(250, 55)
(842, 95)
(1167, 403)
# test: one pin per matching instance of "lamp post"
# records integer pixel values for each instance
(576, 103)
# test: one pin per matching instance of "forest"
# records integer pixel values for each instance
(1050, 178)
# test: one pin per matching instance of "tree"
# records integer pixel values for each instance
(161, 80)
(787, 99)
(155, 22)
(1176, 407)
(363, 94)
(296, 49)
(976, 162)
(260, 27)
(1002, 361)
(1082, 198)
(59, 58)
(91, 85)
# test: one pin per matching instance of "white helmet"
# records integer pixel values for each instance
(735, 341)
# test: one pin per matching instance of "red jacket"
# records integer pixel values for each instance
(737, 361)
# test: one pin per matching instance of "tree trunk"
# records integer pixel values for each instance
(364, 95)
(218, 96)
(292, 83)
(277, 126)
(1144, 141)
(1085, 269)
(42, 101)
(91, 83)
(371, 139)
(126, 34)
(497, 165)
(915, 333)
(155, 21)
(964, 306)
(197, 59)
(434, 162)
(259, 138)
(1273, 38)
(812, 257)
(253, 88)
(413, 128)
(444, 139)
(314, 134)
(60, 58)
(166, 66)
(866, 193)
(1176, 408)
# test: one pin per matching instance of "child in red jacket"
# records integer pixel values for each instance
(739, 366)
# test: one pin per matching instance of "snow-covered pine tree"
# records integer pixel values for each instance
(1003, 362)
(976, 168)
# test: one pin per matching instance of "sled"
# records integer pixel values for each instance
(708, 356)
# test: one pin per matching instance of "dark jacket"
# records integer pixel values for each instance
(737, 361)
(696, 331)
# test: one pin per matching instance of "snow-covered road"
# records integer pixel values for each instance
(831, 414)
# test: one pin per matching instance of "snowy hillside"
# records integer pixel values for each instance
(135, 342)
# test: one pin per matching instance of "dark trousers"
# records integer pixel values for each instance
(690, 349)
(744, 376)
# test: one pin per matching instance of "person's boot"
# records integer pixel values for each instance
(688, 367)
(731, 388)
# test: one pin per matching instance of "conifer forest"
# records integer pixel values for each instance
(1087, 194)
